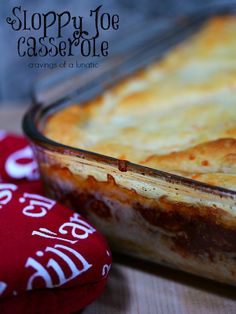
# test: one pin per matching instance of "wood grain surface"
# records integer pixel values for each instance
(137, 287)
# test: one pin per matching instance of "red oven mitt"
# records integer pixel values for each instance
(16, 159)
(51, 259)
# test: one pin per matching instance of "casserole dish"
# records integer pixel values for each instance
(165, 217)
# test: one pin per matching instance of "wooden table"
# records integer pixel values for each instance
(136, 287)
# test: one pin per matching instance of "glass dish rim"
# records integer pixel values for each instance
(30, 128)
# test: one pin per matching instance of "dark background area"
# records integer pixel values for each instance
(17, 79)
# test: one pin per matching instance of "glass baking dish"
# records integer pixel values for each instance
(147, 213)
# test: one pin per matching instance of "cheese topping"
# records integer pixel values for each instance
(178, 115)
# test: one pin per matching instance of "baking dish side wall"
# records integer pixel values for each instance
(188, 232)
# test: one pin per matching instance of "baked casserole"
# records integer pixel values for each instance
(177, 116)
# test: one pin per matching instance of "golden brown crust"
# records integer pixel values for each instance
(178, 115)
(217, 156)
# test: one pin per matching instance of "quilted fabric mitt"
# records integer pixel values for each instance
(52, 260)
